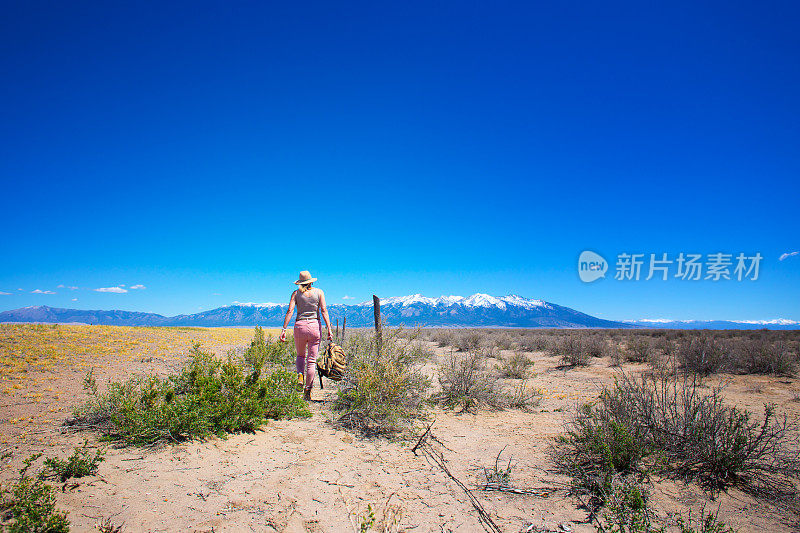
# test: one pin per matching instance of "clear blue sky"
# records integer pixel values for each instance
(210, 151)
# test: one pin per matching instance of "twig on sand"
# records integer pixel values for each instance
(543, 492)
(337, 484)
(424, 445)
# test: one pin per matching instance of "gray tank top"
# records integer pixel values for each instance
(307, 304)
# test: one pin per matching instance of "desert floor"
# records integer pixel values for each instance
(307, 475)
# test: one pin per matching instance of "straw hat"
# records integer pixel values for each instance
(305, 277)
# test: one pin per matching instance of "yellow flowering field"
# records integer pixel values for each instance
(26, 349)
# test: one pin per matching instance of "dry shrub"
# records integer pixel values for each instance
(505, 342)
(520, 397)
(638, 349)
(665, 346)
(382, 391)
(533, 343)
(702, 355)
(516, 367)
(617, 357)
(666, 422)
(760, 356)
(571, 350)
(468, 386)
(595, 345)
(443, 337)
(469, 340)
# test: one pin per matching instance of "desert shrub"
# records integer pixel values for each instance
(470, 340)
(702, 355)
(208, 397)
(443, 337)
(517, 366)
(682, 431)
(520, 396)
(266, 351)
(570, 348)
(81, 463)
(665, 346)
(28, 505)
(501, 340)
(595, 346)
(382, 391)
(499, 473)
(638, 349)
(761, 356)
(533, 343)
(467, 386)
(596, 448)
(627, 510)
(616, 355)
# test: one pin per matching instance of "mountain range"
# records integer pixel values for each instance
(478, 310)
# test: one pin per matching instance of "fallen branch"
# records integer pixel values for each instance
(543, 492)
(424, 445)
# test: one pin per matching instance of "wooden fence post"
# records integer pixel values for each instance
(344, 325)
(376, 304)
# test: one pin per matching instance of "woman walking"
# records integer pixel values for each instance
(310, 303)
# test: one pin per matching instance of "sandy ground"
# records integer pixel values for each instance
(307, 475)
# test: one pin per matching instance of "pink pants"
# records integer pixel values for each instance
(306, 333)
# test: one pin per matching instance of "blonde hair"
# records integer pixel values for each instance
(303, 288)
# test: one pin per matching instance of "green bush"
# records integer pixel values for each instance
(497, 474)
(262, 352)
(28, 505)
(596, 449)
(627, 511)
(80, 463)
(208, 397)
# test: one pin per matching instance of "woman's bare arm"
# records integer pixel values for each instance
(288, 316)
(324, 310)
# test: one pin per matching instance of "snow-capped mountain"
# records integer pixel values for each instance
(478, 310)
(667, 323)
(481, 310)
(476, 300)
